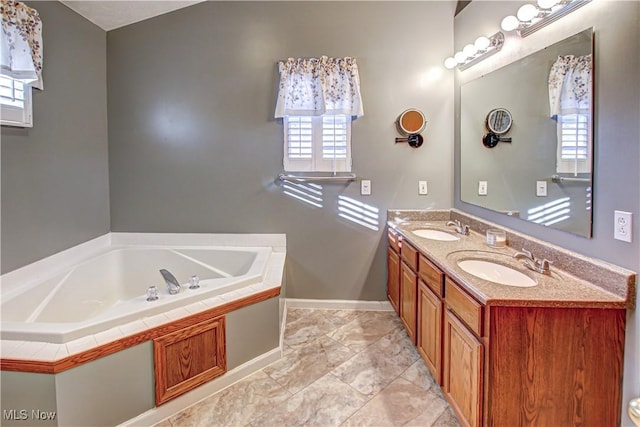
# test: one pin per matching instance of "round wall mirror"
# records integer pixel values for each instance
(411, 122)
(499, 121)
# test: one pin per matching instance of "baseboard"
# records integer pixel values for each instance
(332, 304)
(159, 413)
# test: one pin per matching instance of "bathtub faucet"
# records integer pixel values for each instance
(172, 284)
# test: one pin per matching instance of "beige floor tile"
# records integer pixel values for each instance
(366, 329)
(235, 406)
(304, 325)
(419, 374)
(300, 367)
(326, 402)
(446, 419)
(378, 365)
(398, 404)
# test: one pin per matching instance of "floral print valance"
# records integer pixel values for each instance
(317, 86)
(570, 85)
(21, 56)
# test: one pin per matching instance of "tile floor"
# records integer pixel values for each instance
(340, 368)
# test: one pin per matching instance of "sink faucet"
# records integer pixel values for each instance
(172, 284)
(532, 263)
(460, 229)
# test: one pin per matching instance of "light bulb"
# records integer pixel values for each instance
(460, 57)
(470, 50)
(527, 12)
(547, 4)
(450, 62)
(510, 23)
(482, 43)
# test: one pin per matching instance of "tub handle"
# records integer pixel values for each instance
(194, 282)
(152, 293)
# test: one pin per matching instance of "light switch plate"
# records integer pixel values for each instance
(541, 188)
(482, 188)
(422, 188)
(622, 226)
(365, 187)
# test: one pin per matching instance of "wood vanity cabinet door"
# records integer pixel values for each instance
(393, 279)
(463, 370)
(408, 300)
(189, 357)
(430, 330)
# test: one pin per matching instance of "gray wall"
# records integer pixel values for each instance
(617, 133)
(252, 331)
(193, 146)
(55, 185)
(22, 393)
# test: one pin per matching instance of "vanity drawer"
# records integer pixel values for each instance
(465, 308)
(394, 240)
(431, 275)
(409, 254)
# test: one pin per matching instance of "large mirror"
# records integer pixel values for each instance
(540, 166)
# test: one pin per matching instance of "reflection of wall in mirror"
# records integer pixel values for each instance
(513, 169)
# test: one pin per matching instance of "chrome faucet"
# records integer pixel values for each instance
(172, 284)
(532, 263)
(460, 229)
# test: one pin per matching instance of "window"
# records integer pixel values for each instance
(574, 136)
(317, 143)
(15, 102)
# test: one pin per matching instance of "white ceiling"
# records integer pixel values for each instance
(109, 14)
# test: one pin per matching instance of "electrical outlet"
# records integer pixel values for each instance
(541, 188)
(482, 188)
(365, 187)
(422, 188)
(622, 226)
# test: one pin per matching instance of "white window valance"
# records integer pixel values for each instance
(317, 86)
(21, 55)
(570, 85)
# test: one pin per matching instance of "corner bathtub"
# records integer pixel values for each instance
(109, 289)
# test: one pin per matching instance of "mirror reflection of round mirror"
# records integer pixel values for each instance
(499, 121)
(411, 122)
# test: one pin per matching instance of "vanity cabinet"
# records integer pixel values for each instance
(393, 270)
(463, 355)
(430, 316)
(429, 340)
(511, 364)
(409, 289)
(189, 357)
(408, 300)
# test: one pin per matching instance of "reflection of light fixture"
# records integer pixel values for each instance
(482, 48)
(531, 18)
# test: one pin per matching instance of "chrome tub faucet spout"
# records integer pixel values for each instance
(172, 283)
(460, 228)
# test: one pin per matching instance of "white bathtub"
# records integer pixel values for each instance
(109, 289)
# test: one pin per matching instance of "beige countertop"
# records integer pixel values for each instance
(559, 289)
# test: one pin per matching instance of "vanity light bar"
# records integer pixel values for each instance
(471, 54)
(531, 18)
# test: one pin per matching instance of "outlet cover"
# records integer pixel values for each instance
(541, 188)
(365, 187)
(622, 226)
(482, 188)
(422, 188)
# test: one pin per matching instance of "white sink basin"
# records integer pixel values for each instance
(496, 273)
(429, 233)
